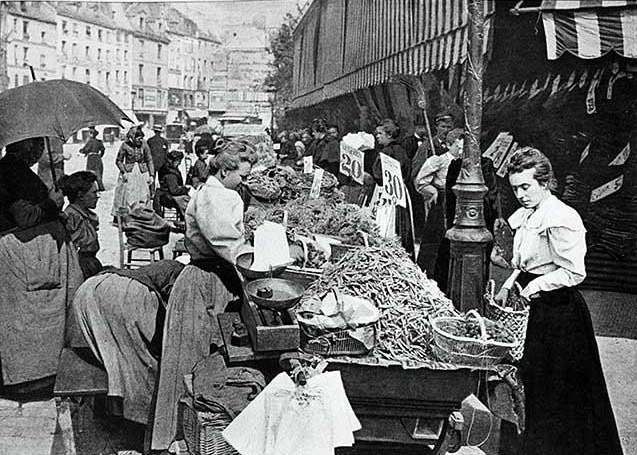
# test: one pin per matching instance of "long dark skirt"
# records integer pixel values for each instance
(568, 410)
(94, 163)
(89, 264)
(433, 234)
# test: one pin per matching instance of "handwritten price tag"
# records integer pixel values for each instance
(308, 164)
(315, 191)
(393, 185)
(351, 163)
(607, 189)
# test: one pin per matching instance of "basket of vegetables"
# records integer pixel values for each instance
(514, 314)
(471, 340)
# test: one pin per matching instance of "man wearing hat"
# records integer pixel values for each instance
(158, 147)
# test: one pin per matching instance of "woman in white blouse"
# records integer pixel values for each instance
(567, 407)
(214, 234)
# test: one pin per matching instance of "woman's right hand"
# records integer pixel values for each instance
(502, 296)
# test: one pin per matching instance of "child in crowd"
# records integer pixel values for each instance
(198, 173)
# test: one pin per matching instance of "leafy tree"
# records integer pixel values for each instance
(279, 80)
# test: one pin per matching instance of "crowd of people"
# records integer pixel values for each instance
(148, 327)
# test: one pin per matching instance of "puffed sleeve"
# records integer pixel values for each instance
(568, 247)
(223, 229)
(424, 178)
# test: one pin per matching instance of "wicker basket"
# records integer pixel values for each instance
(468, 351)
(513, 319)
(202, 431)
(334, 343)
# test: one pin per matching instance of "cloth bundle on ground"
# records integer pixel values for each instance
(287, 420)
(145, 229)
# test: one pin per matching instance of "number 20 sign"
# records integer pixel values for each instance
(393, 185)
(351, 163)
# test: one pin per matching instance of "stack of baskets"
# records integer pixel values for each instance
(474, 352)
(514, 315)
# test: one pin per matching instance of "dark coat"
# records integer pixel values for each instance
(424, 152)
(327, 153)
(396, 151)
(158, 149)
(171, 184)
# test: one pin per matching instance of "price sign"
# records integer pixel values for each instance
(315, 191)
(607, 189)
(276, 146)
(393, 185)
(308, 164)
(622, 157)
(351, 163)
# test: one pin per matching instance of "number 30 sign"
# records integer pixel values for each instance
(351, 163)
(393, 185)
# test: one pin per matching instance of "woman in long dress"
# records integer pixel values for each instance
(39, 270)
(121, 315)
(214, 234)
(136, 172)
(94, 151)
(567, 407)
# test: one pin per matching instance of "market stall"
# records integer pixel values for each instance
(330, 289)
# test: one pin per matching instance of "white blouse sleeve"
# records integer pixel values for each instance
(569, 248)
(221, 223)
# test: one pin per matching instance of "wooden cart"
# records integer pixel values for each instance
(401, 410)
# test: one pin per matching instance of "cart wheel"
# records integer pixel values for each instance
(450, 439)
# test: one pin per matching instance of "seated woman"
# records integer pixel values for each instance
(198, 172)
(172, 191)
(40, 270)
(81, 222)
(121, 315)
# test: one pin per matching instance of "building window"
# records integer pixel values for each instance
(99, 35)
(125, 77)
(141, 22)
(117, 76)
(25, 30)
(118, 36)
(141, 46)
(16, 80)
(87, 75)
(74, 50)
(74, 72)
(42, 60)
(25, 54)
(108, 78)
(108, 55)
(141, 73)
(63, 72)
(23, 7)
(65, 28)
(140, 93)
(87, 51)
(99, 53)
(159, 52)
(88, 31)
(126, 55)
(15, 26)
(126, 37)
(158, 76)
(75, 28)
(43, 36)
(15, 54)
(64, 47)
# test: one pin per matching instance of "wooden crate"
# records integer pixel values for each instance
(269, 332)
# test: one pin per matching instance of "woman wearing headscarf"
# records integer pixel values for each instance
(40, 270)
(136, 172)
(121, 315)
(214, 234)
(172, 191)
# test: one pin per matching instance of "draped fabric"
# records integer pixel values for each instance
(590, 29)
(367, 42)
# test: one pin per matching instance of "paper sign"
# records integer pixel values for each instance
(308, 164)
(351, 163)
(393, 185)
(315, 191)
(591, 105)
(622, 157)
(585, 153)
(276, 146)
(607, 189)
(497, 151)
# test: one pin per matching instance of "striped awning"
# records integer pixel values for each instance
(340, 50)
(590, 28)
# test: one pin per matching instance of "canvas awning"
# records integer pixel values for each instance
(590, 28)
(341, 47)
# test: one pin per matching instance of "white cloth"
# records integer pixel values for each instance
(432, 176)
(278, 423)
(134, 191)
(549, 241)
(214, 222)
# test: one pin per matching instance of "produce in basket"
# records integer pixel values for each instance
(470, 328)
(404, 295)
